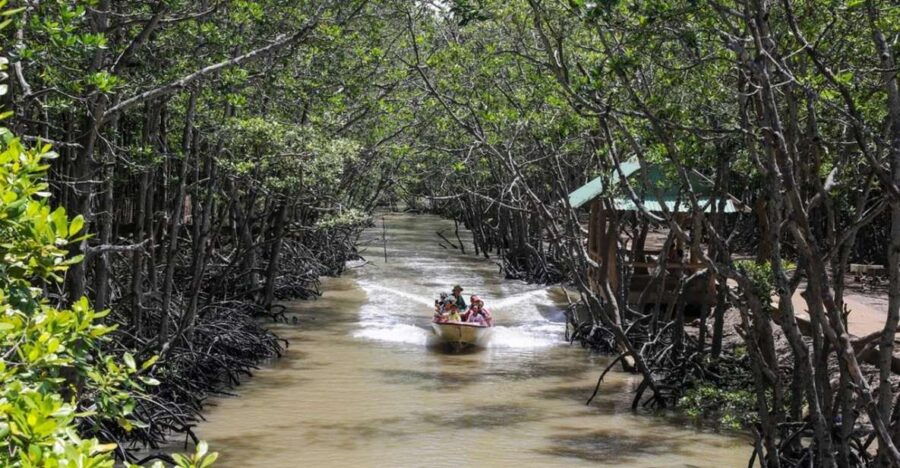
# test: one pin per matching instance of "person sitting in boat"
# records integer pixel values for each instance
(457, 295)
(439, 303)
(451, 311)
(445, 310)
(478, 313)
(439, 308)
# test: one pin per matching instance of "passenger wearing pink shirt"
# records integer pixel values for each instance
(478, 313)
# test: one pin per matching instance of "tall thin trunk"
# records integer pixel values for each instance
(199, 260)
(84, 167)
(105, 222)
(137, 257)
(175, 222)
(101, 267)
(275, 254)
(886, 346)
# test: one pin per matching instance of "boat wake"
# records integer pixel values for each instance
(396, 333)
(368, 287)
(383, 318)
(524, 337)
(518, 298)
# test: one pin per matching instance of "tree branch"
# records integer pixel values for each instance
(92, 251)
(280, 41)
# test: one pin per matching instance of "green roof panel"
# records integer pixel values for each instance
(592, 189)
(622, 202)
(586, 192)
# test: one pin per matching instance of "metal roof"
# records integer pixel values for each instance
(669, 197)
(592, 189)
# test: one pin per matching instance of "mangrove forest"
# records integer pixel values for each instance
(449, 233)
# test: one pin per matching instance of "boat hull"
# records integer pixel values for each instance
(461, 335)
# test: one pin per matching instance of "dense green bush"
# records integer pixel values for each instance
(347, 218)
(733, 408)
(761, 275)
(54, 374)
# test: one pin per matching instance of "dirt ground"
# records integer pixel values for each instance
(870, 293)
(867, 302)
(732, 340)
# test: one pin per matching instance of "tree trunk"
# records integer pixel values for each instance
(175, 223)
(137, 257)
(886, 346)
(199, 258)
(275, 254)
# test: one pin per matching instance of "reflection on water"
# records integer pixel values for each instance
(358, 386)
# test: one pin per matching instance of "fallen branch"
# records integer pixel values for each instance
(600, 380)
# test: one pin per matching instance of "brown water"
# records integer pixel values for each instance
(359, 387)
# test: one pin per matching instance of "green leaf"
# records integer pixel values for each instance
(202, 448)
(150, 381)
(181, 460)
(149, 362)
(209, 460)
(129, 361)
(101, 448)
(12, 11)
(60, 223)
(76, 225)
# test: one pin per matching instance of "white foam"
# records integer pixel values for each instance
(381, 319)
(521, 337)
(398, 333)
(390, 313)
(368, 287)
(513, 300)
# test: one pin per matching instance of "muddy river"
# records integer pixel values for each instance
(359, 387)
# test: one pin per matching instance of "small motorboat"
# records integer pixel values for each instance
(461, 335)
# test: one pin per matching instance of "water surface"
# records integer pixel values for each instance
(359, 387)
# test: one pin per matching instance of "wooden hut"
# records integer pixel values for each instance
(611, 204)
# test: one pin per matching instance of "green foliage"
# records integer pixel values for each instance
(288, 159)
(200, 459)
(54, 375)
(761, 276)
(48, 352)
(468, 11)
(346, 218)
(731, 408)
(728, 400)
